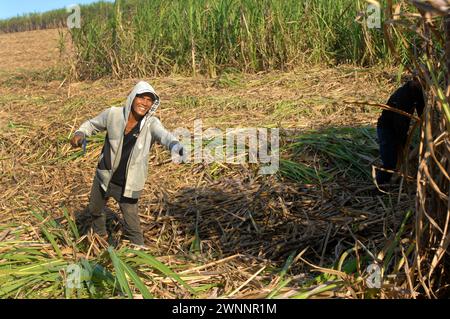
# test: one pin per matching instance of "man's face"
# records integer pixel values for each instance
(142, 103)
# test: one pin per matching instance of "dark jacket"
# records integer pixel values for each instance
(407, 98)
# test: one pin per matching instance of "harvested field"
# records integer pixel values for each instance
(226, 231)
(32, 51)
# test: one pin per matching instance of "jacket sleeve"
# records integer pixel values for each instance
(420, 104)
(95, 125)
(394, 99)
(161, 135)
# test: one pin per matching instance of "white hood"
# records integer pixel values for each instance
(140, 88)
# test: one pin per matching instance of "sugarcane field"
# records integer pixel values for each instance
(218, 149)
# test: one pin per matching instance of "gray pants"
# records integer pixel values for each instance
(128, 206)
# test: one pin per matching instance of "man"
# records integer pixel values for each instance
(123, 164)
(392, 127)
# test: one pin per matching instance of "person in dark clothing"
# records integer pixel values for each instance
(392, 127)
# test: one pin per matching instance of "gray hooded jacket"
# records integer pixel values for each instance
(113, 120)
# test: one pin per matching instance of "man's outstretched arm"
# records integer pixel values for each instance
(90, 127)
(165, 138)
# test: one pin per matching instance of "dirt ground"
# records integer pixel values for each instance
(33, 50)
(38, 114)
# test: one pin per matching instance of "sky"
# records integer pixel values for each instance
(12, 8)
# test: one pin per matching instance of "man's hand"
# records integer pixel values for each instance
(177, 152)
(77, 139)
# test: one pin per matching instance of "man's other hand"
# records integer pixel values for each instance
(177, 153)
(77, 139)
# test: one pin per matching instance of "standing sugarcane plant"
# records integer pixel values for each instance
(422, 27)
